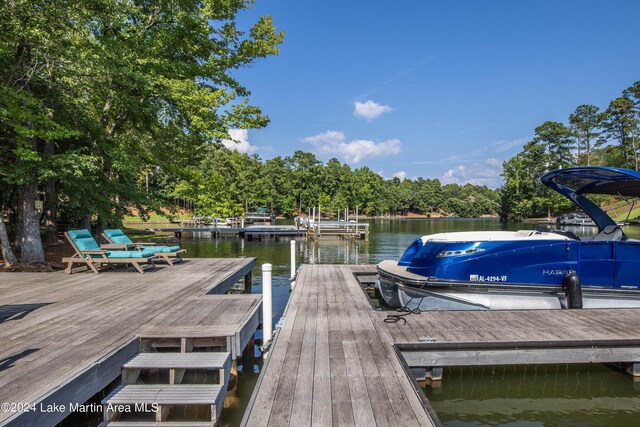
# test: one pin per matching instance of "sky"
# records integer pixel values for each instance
(437, 89)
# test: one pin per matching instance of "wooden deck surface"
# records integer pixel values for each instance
(333, 363)
(61, 336)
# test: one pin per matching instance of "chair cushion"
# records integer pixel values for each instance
(160, 249)
(129, 254)
(83, 240)
(117, 236)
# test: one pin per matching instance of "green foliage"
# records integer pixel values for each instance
(225, 181)
(129, 95)
(586, 123)
(609, 138)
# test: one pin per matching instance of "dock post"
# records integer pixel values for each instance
(436, 373)
(634, 369)
(247, 283)
(267, 325)
(293, 259)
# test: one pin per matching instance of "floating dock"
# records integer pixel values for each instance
(64, 338)
(312, 232)
(250, 232)
(335, 360)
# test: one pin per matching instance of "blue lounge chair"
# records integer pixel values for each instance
(89, 253)
(118, 240)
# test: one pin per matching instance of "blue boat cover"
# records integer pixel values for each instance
(574, 182)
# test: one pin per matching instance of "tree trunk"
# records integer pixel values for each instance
(32, 251)
(7, 253)
(51, 212)
(50, 203)
(19, 226)
(85, 222)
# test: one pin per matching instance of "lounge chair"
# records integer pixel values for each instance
(118, 240)
(89, 253)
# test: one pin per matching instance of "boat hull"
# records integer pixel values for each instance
(410, 291)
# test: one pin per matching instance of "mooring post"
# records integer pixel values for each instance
(572, 290)
(293, 259)
(267, 326)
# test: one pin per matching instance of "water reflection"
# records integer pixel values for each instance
(536, 395)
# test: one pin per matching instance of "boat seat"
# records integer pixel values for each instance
(565, 233)
(571, 235)
(611, 233)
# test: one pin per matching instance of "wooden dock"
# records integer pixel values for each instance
(337, 362)
(64, 338)
(311, 231)
(250, 232)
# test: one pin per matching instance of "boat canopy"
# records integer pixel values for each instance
(574, 182)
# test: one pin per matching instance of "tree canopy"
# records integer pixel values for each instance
(592, 138)
(95, 95)
(229, 183)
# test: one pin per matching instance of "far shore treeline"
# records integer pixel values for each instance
(227, 183)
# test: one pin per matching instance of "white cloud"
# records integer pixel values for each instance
(370, 110)
(331, 137)
(335, 143)
(505, 146)
(402, 175)
(485, 172)
(239, 141)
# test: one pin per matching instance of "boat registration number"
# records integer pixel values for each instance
(480, 278)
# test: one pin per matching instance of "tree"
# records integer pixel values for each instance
(556, 138)
(118, 88)
(585, 124)
(621, 124)
(306, 177)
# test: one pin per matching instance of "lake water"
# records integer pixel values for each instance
(388, 239)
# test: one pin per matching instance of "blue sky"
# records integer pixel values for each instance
(438, 89)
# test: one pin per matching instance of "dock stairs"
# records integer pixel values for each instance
(152, 404)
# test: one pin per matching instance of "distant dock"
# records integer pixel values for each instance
(65, 338)
(310, 231)
(335, 360)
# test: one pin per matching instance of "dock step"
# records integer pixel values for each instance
(164, 394)
(177, 364)
(207, 360)
(156, 424)
(164, 397)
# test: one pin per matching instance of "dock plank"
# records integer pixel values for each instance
(72, 322)
(368, 385)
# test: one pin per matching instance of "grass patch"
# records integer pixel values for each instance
(157, 218)
(635, 213)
